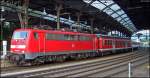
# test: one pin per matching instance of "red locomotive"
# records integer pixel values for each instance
(38, 46)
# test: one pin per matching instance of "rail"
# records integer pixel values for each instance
(84, 69)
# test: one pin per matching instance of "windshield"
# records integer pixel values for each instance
(20, 35)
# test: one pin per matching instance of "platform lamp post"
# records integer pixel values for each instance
(4, 43)
(1, 19)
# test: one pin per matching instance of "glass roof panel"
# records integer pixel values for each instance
(108, 11)
(122, 22)
(98, 5)
(128, 21)
(114, 15)
(115, 7)
(107, 2)
(127, 25)
(124, 16)
(120, 12)
(118, 19)
(114, 10)
(87, 1)
(130, 25)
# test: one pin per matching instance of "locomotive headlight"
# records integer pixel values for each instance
(21, 46)
(22, 51)
(12, 46)
(18, 46)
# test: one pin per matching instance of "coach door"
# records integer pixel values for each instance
(41, 42)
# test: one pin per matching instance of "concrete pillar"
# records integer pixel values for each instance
(78, 20)
(23, 17)
(1, 20)
(92, 21)
(26, 5)
(59, 7)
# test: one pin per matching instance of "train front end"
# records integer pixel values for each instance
(18, 46)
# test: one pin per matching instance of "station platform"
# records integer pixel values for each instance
(5, 63)
(142, 71)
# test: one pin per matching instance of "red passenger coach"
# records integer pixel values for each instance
(113, 44)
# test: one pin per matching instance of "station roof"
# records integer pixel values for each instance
(138, 11)
(113, 10)
(109, 16)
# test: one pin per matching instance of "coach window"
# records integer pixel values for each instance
(81, 37)
(103, 42)
(128, 43)
(36, 35)
(66, 37)
(75, 37)
(116, 43)
(48, 36)
(59, 37)
(110, 42)
(120, 43)
(106, 42)
(124, 43)
(72, 37)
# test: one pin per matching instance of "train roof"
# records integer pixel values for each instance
(56, 31)
(106, 36)
(70, 32)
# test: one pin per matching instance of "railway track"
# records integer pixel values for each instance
(124, 68)
(118, 68)
(87, 69)
(16, 68)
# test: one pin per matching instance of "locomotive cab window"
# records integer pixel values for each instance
(20, 35)
(108, 42)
